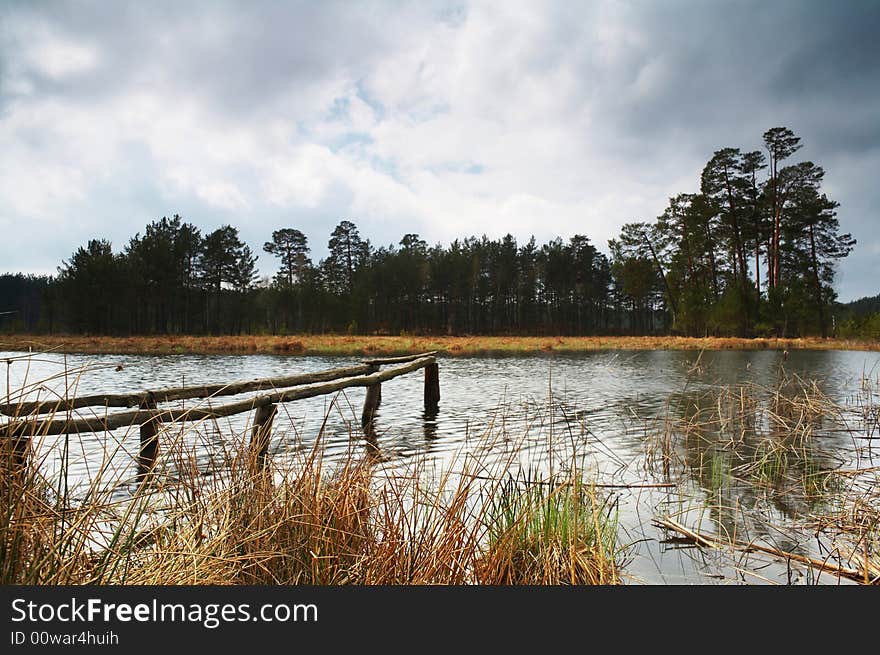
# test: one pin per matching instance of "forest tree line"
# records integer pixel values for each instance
(752, 254)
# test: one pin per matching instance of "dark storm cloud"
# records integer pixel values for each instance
(239, 57)
(731, 66)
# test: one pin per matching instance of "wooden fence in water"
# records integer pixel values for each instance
(27, 418)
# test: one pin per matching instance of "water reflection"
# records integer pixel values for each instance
(759, 457)
(429, 421)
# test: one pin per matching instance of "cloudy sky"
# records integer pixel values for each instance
(446, 119)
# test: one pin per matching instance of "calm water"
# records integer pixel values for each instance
(604, 410)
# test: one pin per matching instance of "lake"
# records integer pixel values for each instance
(618, 414)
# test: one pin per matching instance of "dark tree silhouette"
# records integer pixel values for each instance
(292, 247)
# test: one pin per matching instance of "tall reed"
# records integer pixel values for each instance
(352, 520)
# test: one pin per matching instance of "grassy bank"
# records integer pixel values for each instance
(383, 345)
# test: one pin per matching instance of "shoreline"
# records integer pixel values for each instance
(400, 345)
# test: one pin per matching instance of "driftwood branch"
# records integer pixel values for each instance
(713, 542)
(551, 483)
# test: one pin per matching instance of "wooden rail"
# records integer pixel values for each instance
(182, 393)
(397, 360)
(150, 417)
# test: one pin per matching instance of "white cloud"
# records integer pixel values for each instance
(300, 178)
(224, 195)
(59, 59)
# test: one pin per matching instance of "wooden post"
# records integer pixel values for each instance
(432, 387)
(15, 449)
(371, 404)
(262, 429)
(149, 450)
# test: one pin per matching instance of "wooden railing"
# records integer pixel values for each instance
(26, 422)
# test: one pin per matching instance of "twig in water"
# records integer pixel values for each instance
(711, 542)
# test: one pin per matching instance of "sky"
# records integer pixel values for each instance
(445, 119)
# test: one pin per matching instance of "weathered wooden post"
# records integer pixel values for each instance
(371, 404)
(432, 387)
(262, 429)
(15, 449)
(149, 450)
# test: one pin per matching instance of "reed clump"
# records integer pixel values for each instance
(771, 461)
(311, 528)
(550, 534)
(748, 435)
(316, 522)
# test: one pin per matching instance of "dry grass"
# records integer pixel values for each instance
(314, 522)
(550, 534)
(751, 447)
(382, 345)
